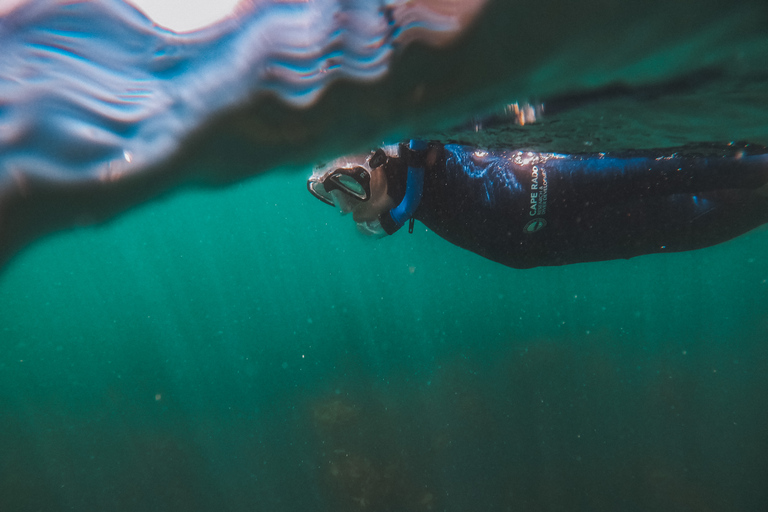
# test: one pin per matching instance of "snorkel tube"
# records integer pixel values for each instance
(394, 219)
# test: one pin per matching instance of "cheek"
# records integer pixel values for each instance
(372, 209)
(364, 212)
(379, 203)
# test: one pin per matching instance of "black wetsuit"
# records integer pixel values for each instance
(526, 209)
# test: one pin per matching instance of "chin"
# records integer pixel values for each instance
(371, 228)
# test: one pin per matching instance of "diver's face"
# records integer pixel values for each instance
(356, 188)
(380, 202)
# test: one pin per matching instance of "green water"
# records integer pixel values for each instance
(246, 349)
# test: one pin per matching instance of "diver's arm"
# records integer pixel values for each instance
(653, 173)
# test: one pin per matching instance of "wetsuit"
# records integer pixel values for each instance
(526, 209)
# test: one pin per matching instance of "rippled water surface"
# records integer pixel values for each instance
(242, 348)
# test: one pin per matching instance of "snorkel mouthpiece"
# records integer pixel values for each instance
(394, 219)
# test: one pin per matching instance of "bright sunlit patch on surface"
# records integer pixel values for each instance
(185, 15)
(7, 6)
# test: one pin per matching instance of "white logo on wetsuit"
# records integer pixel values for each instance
(538, 203)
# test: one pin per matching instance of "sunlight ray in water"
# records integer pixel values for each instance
(243, 349)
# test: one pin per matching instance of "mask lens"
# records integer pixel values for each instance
(317, 189)
(351, 185)
(354, 182)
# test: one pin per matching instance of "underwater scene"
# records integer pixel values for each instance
(222, 340)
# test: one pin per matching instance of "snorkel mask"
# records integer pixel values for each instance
(350, 180)
(346, 183)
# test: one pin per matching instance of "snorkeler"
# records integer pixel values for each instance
(526, 209)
